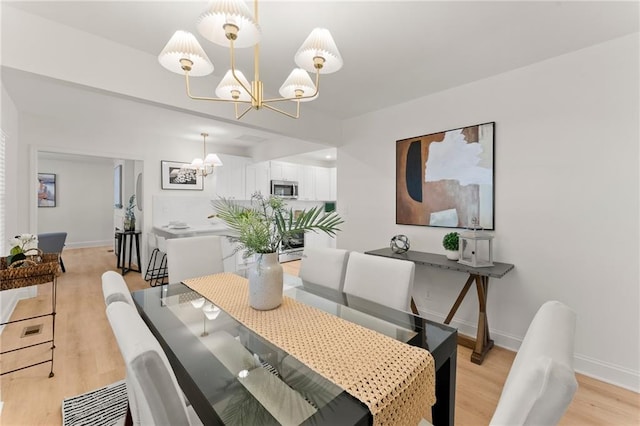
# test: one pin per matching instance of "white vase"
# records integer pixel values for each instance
(453, 254)
(265, 282)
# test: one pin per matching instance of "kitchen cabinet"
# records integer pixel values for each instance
(334, 183)
(285, 171)
(307, 184)
(322, 183)
(319, 240)
(231, 177)
(257, 179)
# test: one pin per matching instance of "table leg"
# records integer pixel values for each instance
(122, 255)
(461, 296)
(130, 251)
(138, 260)
(442, 413)
(483, 339)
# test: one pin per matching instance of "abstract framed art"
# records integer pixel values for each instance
(446, 179)
(174, 176)
(46, 190)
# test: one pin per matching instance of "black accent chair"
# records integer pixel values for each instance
(53, 242)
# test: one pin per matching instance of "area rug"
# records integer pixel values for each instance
(99, 407)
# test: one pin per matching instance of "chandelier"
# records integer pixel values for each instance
(204, 167)
(230, 23)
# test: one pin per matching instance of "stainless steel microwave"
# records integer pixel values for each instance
(284, 188)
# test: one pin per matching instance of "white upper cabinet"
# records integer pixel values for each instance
(231, 177)
(257, 179)
(285, 171)
(307, 184)
(323, 183)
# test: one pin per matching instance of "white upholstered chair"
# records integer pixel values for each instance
(541, 382)
(192, 257)
(322, 266)
(114, 288)
(379, 279)
(155, 398)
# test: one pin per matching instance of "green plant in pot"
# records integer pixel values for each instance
(450, 242)
(261, 227)
(129, 215)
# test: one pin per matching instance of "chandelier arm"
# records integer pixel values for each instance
(204, 98)
(233, 72)
(272, 108)
(238, 117)
(293, 98)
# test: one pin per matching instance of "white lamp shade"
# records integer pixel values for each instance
(183, 45)
(212, 160)
(298, 80)
(319, 43)
(228, 84)
(198, 303)
(196, 163)
(236, 12)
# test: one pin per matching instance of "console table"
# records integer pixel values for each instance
(480, 276)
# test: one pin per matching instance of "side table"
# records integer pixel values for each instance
(480, 276)
(132, 238)
(45, 271)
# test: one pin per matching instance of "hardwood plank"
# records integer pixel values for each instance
(87, 357)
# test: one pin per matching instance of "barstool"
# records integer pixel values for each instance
(156, 273)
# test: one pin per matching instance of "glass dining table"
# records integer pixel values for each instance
(233, 376)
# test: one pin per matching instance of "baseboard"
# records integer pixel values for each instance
(84, 244)
(600, 370)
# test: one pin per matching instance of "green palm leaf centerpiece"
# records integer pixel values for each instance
(263, 225)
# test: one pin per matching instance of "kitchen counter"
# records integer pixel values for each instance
(192, 231)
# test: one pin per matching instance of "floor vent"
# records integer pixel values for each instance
(31, 330)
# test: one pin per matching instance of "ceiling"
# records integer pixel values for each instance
(393, 51)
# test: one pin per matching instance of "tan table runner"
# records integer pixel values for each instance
(395, 380)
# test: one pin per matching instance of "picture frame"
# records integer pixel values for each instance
(175, 176)
(117, 187)
(446, 179)
(46, 190)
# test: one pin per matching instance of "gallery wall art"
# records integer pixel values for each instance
(46, 190)
(446, 179)
(175, 176)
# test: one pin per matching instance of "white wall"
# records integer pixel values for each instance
(566, 160)
(84, 201)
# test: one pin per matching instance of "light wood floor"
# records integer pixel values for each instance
(87, 357)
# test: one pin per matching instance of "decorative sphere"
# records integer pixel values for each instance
(399, 243)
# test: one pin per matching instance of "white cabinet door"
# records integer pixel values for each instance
(230, 177)
(319, 240)
(257, 179)
(307, 184)
(334, 183)
(284, 171)
(323, 183)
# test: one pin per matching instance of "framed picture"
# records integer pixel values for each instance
(117, 187)
(46, 190)
(174, 176)
(446, 179)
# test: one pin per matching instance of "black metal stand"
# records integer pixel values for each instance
(121, 238)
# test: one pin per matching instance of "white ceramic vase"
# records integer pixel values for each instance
(265, 282)
(453, 254)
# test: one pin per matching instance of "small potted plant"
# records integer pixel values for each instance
(129, 215)
(450, 244)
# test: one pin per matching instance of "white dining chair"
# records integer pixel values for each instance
(192, 257)
(379, 279)
(155, 397)
(541, 382)
(114, 288)
(323, 266)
